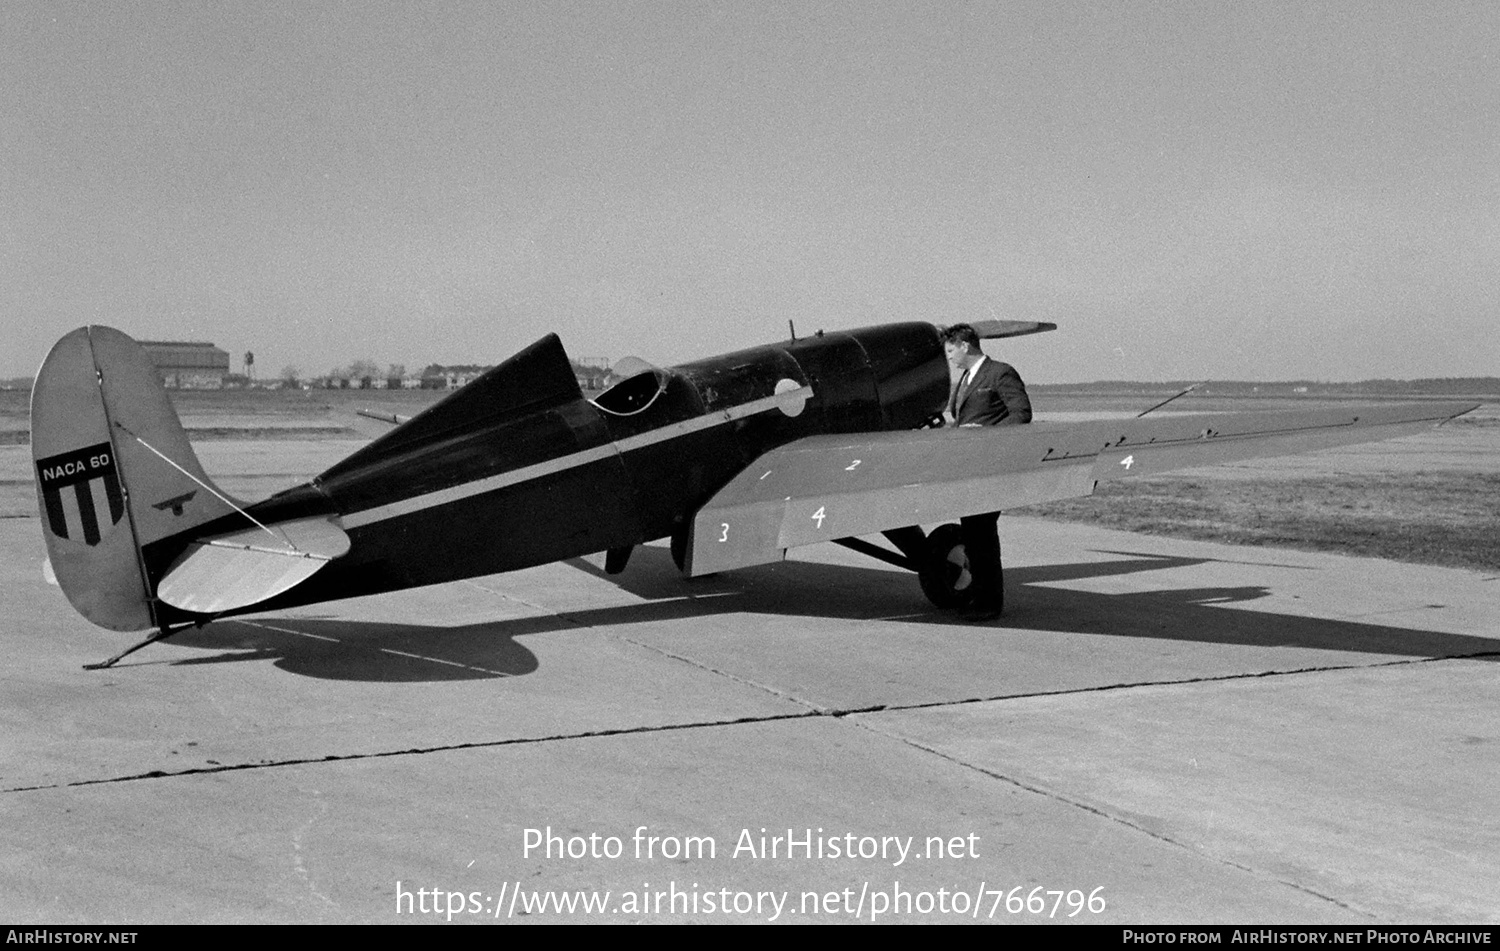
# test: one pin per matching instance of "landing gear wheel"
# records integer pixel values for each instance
(945, 577)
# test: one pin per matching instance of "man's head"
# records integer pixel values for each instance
(961, 344)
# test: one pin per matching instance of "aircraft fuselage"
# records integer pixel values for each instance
(520, 469)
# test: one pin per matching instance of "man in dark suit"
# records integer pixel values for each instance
(987, 393)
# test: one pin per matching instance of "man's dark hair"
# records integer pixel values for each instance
(961, 333)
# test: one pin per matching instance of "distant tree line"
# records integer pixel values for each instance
(359, 375)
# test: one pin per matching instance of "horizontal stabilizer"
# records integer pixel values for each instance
(393, 419)
(827, 487)
(371, 424)
(246, 567)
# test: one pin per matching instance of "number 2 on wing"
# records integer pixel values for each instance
(851, 468)
(819, 515)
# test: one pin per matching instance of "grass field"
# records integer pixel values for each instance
(1433, 498)
(1440, 518)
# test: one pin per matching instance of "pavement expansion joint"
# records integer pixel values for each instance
(410, 655)
(812, 712)
(1111, 817)
(415, 751)
(1109, 688)
(507, 596)
(877, 708)
(744, 681)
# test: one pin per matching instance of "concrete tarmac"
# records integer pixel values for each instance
(1157, 731)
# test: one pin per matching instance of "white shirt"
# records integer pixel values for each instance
(969, 373)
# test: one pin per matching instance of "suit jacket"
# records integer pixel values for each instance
(993, 396)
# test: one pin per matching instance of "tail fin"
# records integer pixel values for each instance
(114, 472)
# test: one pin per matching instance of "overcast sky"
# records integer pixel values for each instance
(1190, 190)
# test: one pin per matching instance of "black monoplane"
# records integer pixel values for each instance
(736, 459)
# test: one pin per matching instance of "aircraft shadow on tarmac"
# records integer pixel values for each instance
(327, 647)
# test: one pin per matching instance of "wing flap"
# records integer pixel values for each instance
(245, 567)
(827, 487)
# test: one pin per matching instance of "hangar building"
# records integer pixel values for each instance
(188, 365)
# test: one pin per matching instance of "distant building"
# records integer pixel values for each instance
(592, 373)
(439, 377)
(591, 376)
(188, 365)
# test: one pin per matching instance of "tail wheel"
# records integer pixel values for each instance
(945, 578)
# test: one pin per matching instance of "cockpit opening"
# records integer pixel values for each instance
(641, 385)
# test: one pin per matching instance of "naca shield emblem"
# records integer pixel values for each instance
(81, 492)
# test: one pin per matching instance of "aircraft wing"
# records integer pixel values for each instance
(998, 329)
(823, 488)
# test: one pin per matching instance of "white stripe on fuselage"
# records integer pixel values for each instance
(418, 503)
